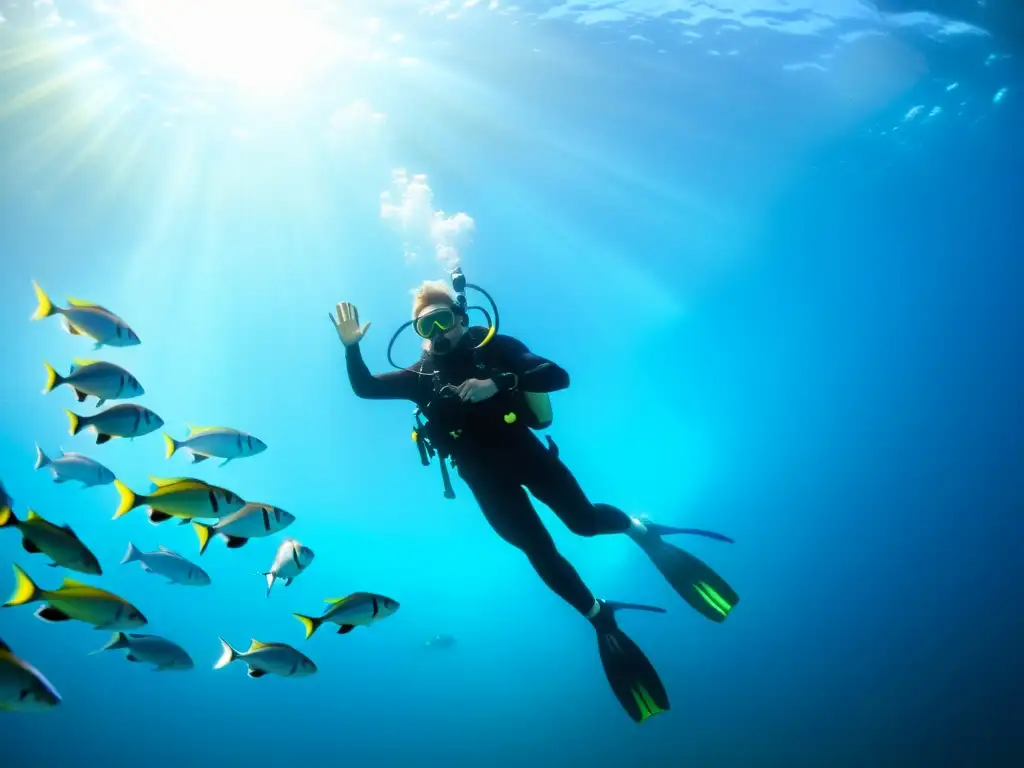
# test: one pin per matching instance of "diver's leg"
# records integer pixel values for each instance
(555, 485)
(510, 513)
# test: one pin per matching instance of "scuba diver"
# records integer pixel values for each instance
(479, 398)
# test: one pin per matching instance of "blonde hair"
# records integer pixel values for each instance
(431, 292)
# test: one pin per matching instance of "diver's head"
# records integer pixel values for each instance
(437, 317)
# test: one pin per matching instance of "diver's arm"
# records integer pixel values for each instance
(525, 370)
(394, 385)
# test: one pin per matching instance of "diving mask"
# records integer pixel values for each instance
(435, 323)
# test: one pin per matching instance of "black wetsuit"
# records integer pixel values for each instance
(497, 459)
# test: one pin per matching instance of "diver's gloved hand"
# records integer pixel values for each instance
(476, 390)
(347, 324)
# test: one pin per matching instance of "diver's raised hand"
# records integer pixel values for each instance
(347, 324)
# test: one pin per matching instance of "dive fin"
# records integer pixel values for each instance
(694, 580)
(667, 530)
(633, 679)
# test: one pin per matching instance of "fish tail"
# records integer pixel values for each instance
(25, 590)
(53, 379)
(45, 308)
(74, 422)
(271, 578)
(117, 640)
(309, 622)
(229, 654)
(41, 458)
(172, 445)
(203, 532)
(7, 517)
(129, 499)
(131, 555)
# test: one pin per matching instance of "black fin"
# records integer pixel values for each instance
(30, 547)
(257, 673)
(234, 542)
(101, 439)
(49, 613)
(131, 657)
(197, 457)
(156, 516)
(80, 395)
(346, 628)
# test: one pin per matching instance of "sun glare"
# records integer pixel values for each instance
(255, 46)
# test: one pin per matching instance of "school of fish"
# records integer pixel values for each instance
(212, 511)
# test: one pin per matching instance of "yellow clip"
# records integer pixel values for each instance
(455, 433)
(510, 418)
(415, 435)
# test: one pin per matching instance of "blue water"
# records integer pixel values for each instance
(786, 288)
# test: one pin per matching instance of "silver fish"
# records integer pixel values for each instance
(440, 642)
(268, 658)
(220, 442)
(58, 542)
(164, 562)
(74, 466)
(252, 521)
(83, 318)
(156, 650)
(291, 559)
(124, 420)
(23, 687)
(360, 609)
(104, 381)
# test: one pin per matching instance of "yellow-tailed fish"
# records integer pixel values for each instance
(268, 658)
(153, 649)
(182, 497)
(360, 609)
(124, 420)
(23, 687)
(215, 442)
(104, 381)
(58, 542)
(252, 521)
(84, 318)
(75, 600)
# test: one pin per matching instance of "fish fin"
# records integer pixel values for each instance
(203, 533)
(162, 548)
(7, 517)
(336, 600)
(255, 645)
(53, 565)
(45, 308)
(80, 396)
(256, 673)
(161, 482)
(129, 499)
(198, 457)
(25, 590)
(70, 583)
(102, 438)
(58, 479)
(194, 430)
(171, 444)
(146, 568)
(229, 654)
(29, 547)
(131, 555)
(75, 424)
(131, 657)
(156, 516)
(224, 463)
(50, 614)
(271, 578)
(185, 521)
(346, 628)
(288, 582)
(234, 542)
(119, 640)
(33, 515)
(99, 401)
(41, 458)
(81, 362)
(310, 623)
(81, 302)
(70, 327)
(98, 345)
(53, 379)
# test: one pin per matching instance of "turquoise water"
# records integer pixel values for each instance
(775, 247)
